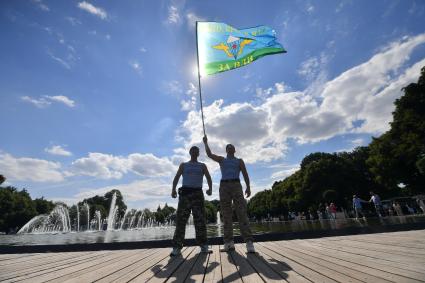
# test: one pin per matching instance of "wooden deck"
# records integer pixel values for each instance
(385, 257)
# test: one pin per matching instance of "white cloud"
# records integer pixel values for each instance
(191, 19)
(64, 63)
(285, 171)
(97, 11)
(57, 150)
(107, 166)
(38, 102)
(62, 99)
(150, 190)
(41, 5)
(173, 15)
(108, 37)
(136, 66)
(47, 100)
(142, 49)
(260, 131)
(29, 169)
(73, 21)
(172, 87)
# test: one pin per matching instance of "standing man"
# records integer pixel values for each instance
(191, 198)
(376, 202)
(231, 190)
(357, 206)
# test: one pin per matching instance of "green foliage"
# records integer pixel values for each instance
(2, 179)
(16, 208)
(210, 212)
(395, 154)
(420, 164)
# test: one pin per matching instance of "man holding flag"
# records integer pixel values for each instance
(221, 48)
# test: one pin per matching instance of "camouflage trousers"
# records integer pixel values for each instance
(191, 201)
(233, 192)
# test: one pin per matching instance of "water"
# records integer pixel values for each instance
(213, 230)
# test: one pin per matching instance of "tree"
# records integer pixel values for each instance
(16, 209)
(2, 179)
(394, 155)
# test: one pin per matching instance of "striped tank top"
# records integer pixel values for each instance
(230, 168)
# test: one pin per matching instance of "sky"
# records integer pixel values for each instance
(101, 95)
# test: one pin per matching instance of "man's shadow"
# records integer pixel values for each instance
(256, 263)
(180, 268)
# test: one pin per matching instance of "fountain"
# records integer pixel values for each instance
(88, 215)
(99, 222)
(57, 221)
(78, 219)
(112, 212)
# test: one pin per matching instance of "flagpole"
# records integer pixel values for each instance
(199, 79)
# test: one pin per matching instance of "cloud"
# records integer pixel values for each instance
(97, 11)
(41, 5)
(284, 171)
(29, 169)
(57, 150)
(73, 21)
(190, 103)
(61, 61)
(47, 100)
(38, 102)
(142, 49)
(107, 166)
(136, 66)
(260, 131)
(62, 99)
(173, 15)
(172, 87)
(191, 19)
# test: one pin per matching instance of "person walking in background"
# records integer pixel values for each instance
(191, 198)
(332, 210)
(376, 200)
(231, 190)
(357, 206)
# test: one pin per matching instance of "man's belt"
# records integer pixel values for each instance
(230, 181)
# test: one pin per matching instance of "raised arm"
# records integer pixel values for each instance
(214, 157)
(209, 181)
(246, 178)
(176, 181)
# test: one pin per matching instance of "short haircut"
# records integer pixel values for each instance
(193, 148)
(228, 145)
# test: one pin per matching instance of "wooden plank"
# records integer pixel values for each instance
(29, 258)
(183, 270)
(369, 254)
(295, 269)
(367, 260)
(67, 271)
(198, 271)
(370, 266)
(41, 263)
(47, 268)
(245, 269)
(263, 270)
(213, 271)
(396, 242)
(229, 272)
(281, 268)
(106, 269)
(139, 266)
(332, 270)
(8, 257)
(382, 251)
(388, 248)
(163, 269)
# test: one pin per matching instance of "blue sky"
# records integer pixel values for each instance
(98, 95)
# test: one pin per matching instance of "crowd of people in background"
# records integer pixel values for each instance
(360, 209)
